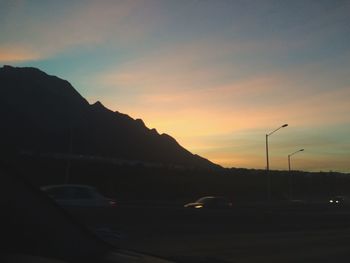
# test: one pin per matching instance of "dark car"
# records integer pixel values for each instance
(214, 202)
(74, 195)
(339, 200)
(35, 229)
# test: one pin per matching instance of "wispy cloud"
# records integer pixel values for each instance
(175, 85)
(52, 29)
(17, 54)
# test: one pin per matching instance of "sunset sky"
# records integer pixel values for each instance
(216, 75)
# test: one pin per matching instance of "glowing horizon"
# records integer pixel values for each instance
(215, 75)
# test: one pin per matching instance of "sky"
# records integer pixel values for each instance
(217, 75)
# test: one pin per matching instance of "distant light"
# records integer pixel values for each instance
(331, 201)
(337, 201)
(198, 206)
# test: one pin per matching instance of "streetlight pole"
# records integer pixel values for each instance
(267, 161)
(267, 152)
(66, 181)
(290, 174)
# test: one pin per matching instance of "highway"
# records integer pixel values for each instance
(242, 234)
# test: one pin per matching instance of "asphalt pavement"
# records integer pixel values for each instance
(304, 233)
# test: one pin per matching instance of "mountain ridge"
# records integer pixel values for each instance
(42, 112)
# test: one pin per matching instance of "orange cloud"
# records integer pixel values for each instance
(234, 107)
(59, 28)
(17, 54)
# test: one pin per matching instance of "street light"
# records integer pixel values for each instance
(69, 156)
(289, 155)
(290, 175)
(267, 160)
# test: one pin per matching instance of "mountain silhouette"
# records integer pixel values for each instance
(45, 114)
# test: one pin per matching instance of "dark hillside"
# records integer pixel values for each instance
(43, 114)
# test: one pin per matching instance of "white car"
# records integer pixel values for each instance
(72, 195)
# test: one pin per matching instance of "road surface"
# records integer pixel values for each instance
(242, 234)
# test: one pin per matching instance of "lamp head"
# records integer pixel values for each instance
(284, 125)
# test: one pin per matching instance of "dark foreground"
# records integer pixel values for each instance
(312, 233)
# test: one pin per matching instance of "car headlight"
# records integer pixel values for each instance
(198, 206)
(337, 201)
(331, 201)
